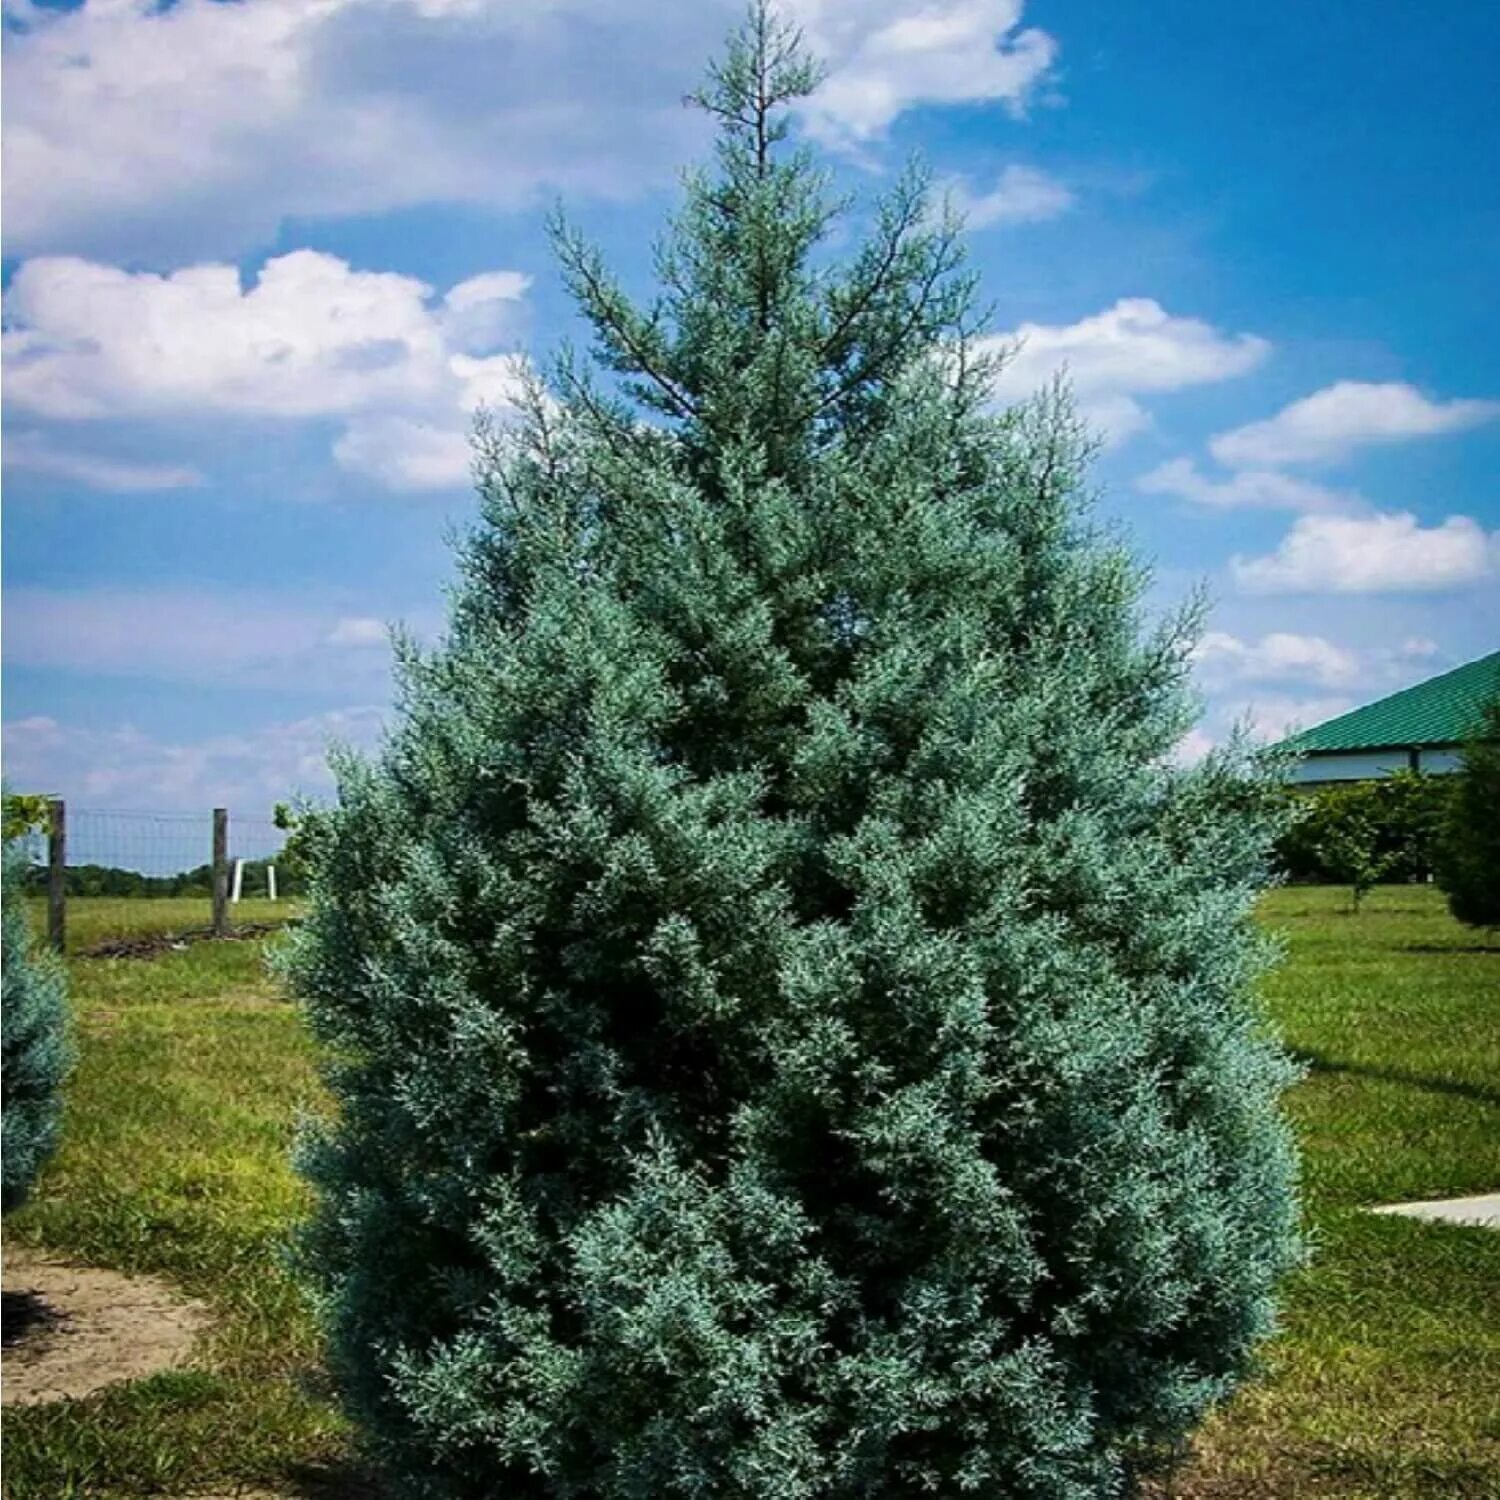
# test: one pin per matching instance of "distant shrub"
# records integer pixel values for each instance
(1359, 832)
(34, 1050)
(1468, 864)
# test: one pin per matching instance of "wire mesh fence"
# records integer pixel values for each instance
(107, 878)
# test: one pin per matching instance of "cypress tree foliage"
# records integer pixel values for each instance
(1468, 867)
(789, 1015)
(34, 1048)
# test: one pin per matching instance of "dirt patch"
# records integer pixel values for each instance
(154, 944)
(69, 1330)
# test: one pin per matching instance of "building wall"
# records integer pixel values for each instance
(1367, 765)
(1362, 765)
(1440, 762)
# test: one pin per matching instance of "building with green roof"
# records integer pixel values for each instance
(1421, 728)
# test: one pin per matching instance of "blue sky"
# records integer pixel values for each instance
(262, 258)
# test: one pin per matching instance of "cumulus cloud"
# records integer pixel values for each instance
(1248, 489)
(402, 454)
(1385, 552)
(137, 130)
(126, 767)
(1023, 195)
(885, 56)
(1336, 421)
(33, 452)
(309, 337)
(1132, 349)
(1280, 656)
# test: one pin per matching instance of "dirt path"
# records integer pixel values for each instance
(69, 1329)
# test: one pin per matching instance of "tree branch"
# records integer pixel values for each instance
(600, 298)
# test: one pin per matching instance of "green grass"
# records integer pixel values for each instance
(1382, 1385)
(180, 1116)
(1386, 1381)
(98, 919)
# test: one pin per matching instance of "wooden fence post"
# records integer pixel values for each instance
(221, 871)
(57, 874)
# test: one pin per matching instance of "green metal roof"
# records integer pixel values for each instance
(1444, 710)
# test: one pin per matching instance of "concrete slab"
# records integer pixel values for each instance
(1481, 1213)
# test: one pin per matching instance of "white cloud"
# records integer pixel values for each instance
(484, 311)
(30, 450)
(1334, 422)
(1263, 489)
(494, 381)
(488, 289)
(358, 630)
(1417, 648)
(310, 337)
(1388, 552)
(406, 453)
(1284, 680)
(219, 637)
(1132, 349)
(886, 56)
(1023, 195)
(137, 130)
(1274, 718)
(124, 767)
(401, 454)
(1280, 656)
(1265, 719)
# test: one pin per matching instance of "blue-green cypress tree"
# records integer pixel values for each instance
(1468, 864)
(34, 1046)
(789, 1016)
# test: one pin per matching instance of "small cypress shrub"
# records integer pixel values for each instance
(1469, 858)
(788, 1015)
(34, 1048)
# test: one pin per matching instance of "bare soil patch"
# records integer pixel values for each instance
(154, 944)
(70, 1330)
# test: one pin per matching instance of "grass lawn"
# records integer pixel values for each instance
(1385, 1383)
(99, 919)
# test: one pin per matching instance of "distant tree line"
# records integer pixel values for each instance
(110, 880)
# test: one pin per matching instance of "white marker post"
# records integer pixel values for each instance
(239, 882)
(271, 881)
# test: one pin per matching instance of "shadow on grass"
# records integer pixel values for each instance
(323, 1481)
(328, 1482)
(23, 1314)
(1491, 948)
(1319, 1064)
